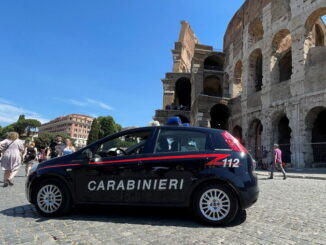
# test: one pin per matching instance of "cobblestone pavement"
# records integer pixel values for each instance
(287, 212)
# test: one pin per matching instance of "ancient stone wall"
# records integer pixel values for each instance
(290, 37)
(184, 49)
(267, 86)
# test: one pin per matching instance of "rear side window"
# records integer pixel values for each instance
(180, 141)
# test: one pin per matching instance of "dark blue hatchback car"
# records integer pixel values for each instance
(205, 169)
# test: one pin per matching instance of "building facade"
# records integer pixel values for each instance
(267, 86)
(75, 125)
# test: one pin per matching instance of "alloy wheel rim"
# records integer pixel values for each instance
(215, 204)
(49, 198)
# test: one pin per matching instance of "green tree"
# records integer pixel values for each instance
(5, 130)
(107, 126)
(44, 140)
(32, 124)
(94, 132)
(20, 125)
(24, 125)
(119, 128)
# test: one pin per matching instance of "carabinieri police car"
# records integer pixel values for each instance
(202, 168)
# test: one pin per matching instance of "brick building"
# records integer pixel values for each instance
(75, 125)
(266, 86)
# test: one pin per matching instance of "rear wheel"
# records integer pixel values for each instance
(51, 198)
(215, 204)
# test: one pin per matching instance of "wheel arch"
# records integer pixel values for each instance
(212, 181)
(41, 178)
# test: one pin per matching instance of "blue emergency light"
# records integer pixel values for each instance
(176, 121)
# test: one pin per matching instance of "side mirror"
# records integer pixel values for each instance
(87, 154)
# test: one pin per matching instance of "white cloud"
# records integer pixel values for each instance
(87, 102)
(99, 103)
(10, 112)
(78, 103)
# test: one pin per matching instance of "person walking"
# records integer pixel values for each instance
(277, 160)
(12, 148)
(57, 147)
(69, 147)
(30, 157)
(44, 154)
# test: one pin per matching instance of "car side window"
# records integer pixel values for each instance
(126, 144)
(180, 141)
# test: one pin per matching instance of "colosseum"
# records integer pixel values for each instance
(266, 86)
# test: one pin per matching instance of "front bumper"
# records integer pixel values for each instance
(28, 187)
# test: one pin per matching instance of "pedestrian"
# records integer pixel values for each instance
(47, 153)
(265, 158)
(44, 154)
(277, 160)
(12, 149)
(69, 148)
(57, 147)
(30, 157)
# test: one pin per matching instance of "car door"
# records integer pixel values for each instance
(111, 174)
(178, 155)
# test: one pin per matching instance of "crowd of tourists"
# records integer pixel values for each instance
(177, 108)
(14, 153)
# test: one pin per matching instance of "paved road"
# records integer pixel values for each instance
(288, 212)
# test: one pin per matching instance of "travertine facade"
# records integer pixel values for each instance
(267, 86)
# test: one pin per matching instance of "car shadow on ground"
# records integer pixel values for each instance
(155, 216)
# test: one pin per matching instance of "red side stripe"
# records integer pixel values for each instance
(62, 165)
(215, 161)
(219, 156)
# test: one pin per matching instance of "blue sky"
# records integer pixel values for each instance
(103, 57)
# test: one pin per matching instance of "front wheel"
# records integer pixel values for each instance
(51, 198)
(215, 204)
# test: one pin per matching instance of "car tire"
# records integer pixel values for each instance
(215, 204)
(52, 198)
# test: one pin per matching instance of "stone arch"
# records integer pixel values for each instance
(280, 8)
(282, 41)
(255, 138)
(285, 66)
(182, 92)
(281, 61)
(184, 119)
(237, 79)
(213, 86)
(256, 31)
(255, 71)
(314, 17)
(214, 62)
(315, 29)
(315, 132)
(237, 133)
(319, 35)
(282, 134)
(220, 114)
